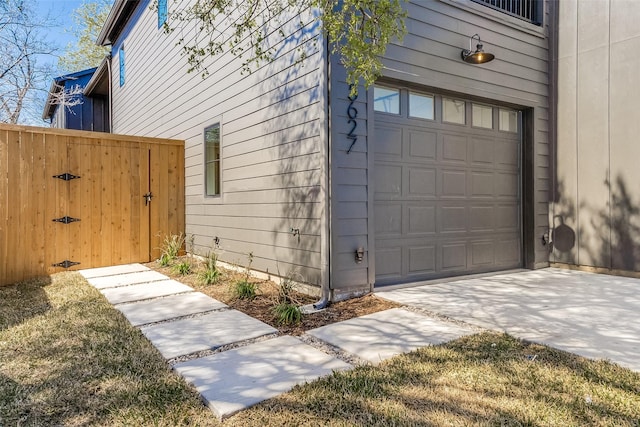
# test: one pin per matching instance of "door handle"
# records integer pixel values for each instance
(147, 198)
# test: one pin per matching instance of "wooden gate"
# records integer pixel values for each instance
(71, 199)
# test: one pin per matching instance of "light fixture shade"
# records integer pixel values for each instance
(477, 57)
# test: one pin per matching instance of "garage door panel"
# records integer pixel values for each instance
(421, 181)
(507, 217)
(453, 219)
(507, 154)
(454, 256)
(446, 199)
(454, 148)
(482, 254)
(388, 181)
(389, 263)
(388, 142)
(508, 251)
(423, 145)
(482, 184)
(506, 184)
(421, 220)
(482, 151)
(388, 220)
(454, 183)
(422, 260)
(482, 218)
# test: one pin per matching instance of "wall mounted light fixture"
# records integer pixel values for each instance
(479, 56)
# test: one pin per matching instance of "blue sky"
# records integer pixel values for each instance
(60, 12)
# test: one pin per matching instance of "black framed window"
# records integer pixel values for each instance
(212, 160)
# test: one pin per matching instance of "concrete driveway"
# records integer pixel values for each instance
(593, 315)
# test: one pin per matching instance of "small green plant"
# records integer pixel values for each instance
(243, 289)
(171, 248)
(210, 274)
(287, 310)
(182, 268)
(287, 314)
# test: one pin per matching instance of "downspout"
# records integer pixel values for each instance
(326, 284)
(110, 95)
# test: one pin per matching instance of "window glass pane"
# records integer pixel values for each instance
(421, 106)
(508, 120)
(212, 160)
(482, 116)
(386, 100)
(453, 111)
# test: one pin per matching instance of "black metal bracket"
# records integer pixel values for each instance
(65, 220)
(66, 176)
(147, 198)
(66, 264)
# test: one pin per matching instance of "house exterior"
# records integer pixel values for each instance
(67, 107)
(595, 203)
(441, 169)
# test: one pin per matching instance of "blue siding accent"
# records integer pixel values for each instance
(162, 12)
(122, 67)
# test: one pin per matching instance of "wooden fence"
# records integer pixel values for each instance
(73, 199)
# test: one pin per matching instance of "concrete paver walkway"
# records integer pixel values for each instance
(170, 307)
(593, 315)
(380, 336)
(180, 322)
(206, 332)
(236, 379)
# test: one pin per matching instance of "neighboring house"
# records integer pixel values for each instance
(441, 169)
(67, 107)
(595, 210)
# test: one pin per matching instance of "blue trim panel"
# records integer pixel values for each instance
(162, 12)
(122, 68)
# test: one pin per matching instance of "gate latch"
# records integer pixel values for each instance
(147, 198)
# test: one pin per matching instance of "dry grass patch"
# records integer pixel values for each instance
(486, 379)
(67, 357)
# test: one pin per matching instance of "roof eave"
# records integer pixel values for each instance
(112, 26)
(98, 76)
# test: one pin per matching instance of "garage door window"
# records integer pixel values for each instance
(482, 116)
(386, 100)
(508, 120)
(453, 111)
(421, 106)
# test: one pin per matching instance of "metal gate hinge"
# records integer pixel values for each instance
(65, 220)
(66, 264)
(66, 176)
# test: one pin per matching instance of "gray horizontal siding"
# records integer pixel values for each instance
(273, 161)
(429, 59)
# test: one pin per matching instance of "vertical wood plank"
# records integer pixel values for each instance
(14, 208)
(157, 234)
(80, 201)
(4, 201)
(95, 213)
(60, 163)
(38, 239)
(106, 168)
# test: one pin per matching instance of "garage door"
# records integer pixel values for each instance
(446, 186)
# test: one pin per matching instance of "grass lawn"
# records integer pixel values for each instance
(68, 358)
